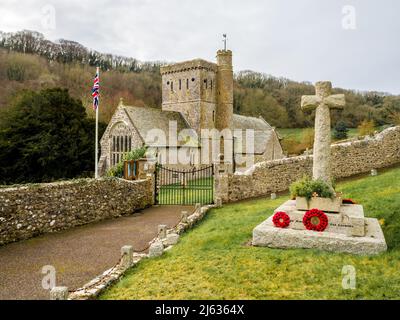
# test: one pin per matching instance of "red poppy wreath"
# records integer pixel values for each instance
(315, 220)
(281, 220)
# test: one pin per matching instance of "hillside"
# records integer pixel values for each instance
(29, 61)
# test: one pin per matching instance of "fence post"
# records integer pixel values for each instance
(184, 216)
(162, 231)
(155, 184)
(126, 256)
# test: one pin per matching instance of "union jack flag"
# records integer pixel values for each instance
(95, 90)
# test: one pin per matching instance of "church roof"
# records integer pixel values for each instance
(243, 122)
(146, 119)
(263, 133)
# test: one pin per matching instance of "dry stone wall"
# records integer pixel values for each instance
(348, 159)
(28, 211)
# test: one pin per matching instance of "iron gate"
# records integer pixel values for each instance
(184, 187)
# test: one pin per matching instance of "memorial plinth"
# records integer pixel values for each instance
(348, 231)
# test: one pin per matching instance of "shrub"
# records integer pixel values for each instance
(341, 131)
(307, 138)
(367, 127)
(118, 170)
(306, 188)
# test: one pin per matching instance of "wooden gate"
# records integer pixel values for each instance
(184, 187)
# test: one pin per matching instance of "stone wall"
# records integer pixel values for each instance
(348, 159)
(28, 211)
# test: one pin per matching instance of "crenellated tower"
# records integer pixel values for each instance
(190, 88)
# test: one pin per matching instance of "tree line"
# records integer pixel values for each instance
(28, 60)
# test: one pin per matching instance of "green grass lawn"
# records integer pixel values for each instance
(214, 260)
(196, 191)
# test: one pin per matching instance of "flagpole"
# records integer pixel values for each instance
(96, 172)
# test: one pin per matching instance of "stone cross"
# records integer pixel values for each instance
(323, 101)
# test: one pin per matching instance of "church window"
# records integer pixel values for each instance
(121, 143)
(193, 79)
(180, 84)
(187, 84)
(172, 86)
(211, 84)
(205, 83)
(167, 83)
(213, 116)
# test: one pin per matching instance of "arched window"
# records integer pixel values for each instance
(121, 142)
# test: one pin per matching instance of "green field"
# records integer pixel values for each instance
(297, 133)
(215, 261)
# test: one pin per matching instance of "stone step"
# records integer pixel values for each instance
(266, 235)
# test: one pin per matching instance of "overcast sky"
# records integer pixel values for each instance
(353, 43)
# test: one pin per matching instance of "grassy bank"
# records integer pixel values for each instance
(297, 133)
(214, 260)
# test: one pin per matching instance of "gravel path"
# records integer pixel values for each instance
(79, 254)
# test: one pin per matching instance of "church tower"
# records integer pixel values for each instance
(224, 113)
(190, 88)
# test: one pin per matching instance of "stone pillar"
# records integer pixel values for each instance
(59, 293)
(156, 249)
(126, 256)
(197, 207)
(184, 216)
(221, 187)
(152, 186)
(162, 231)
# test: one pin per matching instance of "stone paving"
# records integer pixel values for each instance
(80, 254)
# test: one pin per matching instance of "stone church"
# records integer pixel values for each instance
(196, 95)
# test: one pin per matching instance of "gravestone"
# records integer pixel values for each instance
(347, 230)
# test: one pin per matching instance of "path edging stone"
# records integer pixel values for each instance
(98, 285)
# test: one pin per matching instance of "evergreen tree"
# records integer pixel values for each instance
(340, 131)
(45, 136)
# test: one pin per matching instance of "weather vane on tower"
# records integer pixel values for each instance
(224, 41)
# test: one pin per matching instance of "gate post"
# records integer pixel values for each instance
(221, 185)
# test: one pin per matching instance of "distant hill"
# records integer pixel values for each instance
(29, 61)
